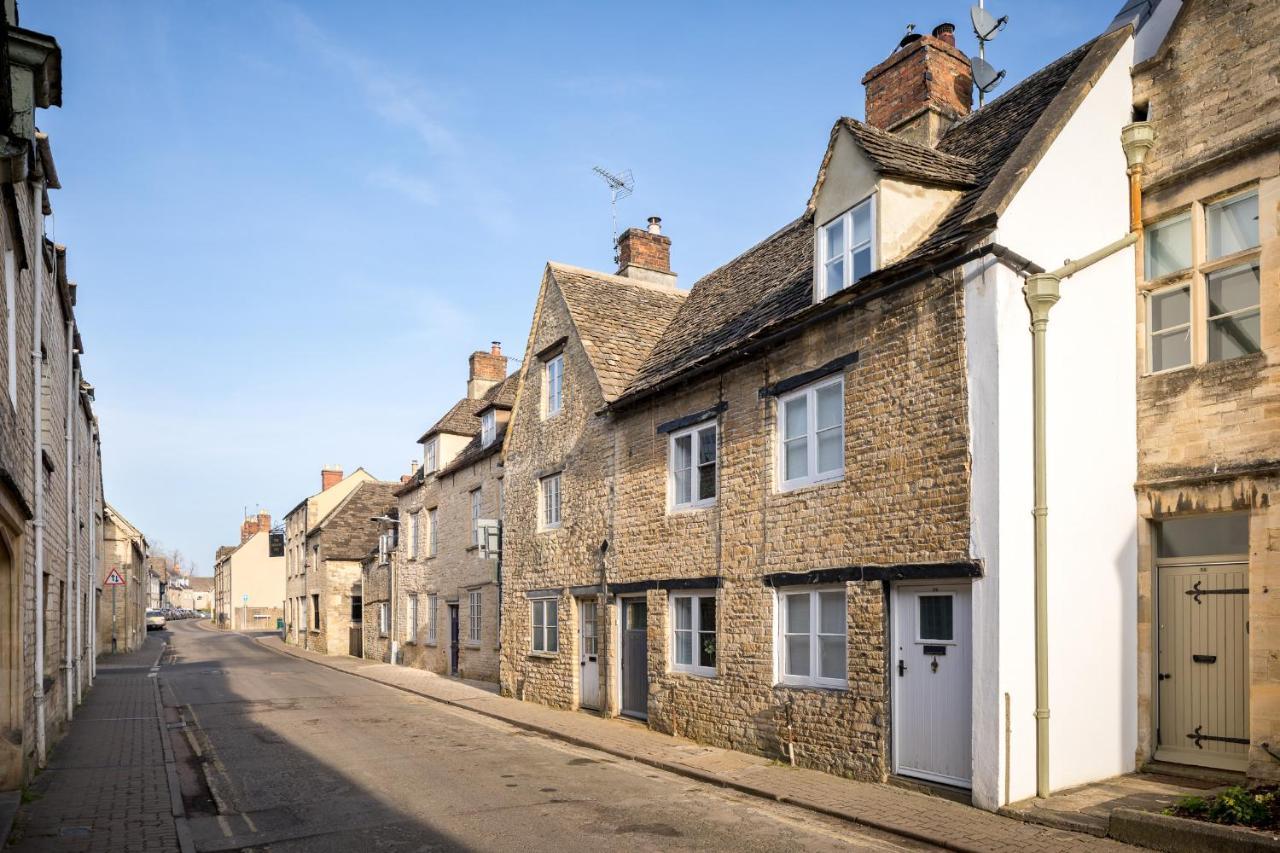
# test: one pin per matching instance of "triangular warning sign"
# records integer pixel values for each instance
(114, 579)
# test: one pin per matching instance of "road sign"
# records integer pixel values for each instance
(114, 579)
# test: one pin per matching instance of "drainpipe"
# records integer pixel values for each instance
(93, 556)
(1042, 292)
(68, 662)
(37, 465)
(77, 521)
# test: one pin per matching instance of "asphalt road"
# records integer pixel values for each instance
(280, 754)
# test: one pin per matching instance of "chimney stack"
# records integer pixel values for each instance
(486, 369)
(923, 88)
(330, 476)
(258, 524)
(645, 254)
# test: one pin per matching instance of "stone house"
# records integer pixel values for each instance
(1208, 389)
(298, 524)
(51, 509)
(792, 513)
(335, 550)
(446, 585)
(249, 580)
(122, 611)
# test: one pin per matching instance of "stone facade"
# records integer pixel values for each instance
(249, 583)
(1209, 430)
(123, 610)
(51, 507)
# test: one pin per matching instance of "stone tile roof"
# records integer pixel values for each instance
(347, 533)
(618, 320)
(770, 285)
(501, 396)
(474, 452)
(464, 417)
(894, 156)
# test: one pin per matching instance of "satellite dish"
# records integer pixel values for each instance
(985, 25)
(985, 77)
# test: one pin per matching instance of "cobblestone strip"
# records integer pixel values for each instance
(932, 820)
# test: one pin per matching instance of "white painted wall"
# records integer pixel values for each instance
(1075, 201)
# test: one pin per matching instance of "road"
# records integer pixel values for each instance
(281, 754)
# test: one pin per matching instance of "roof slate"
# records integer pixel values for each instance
(464, 417)
(892, 155)
(770, 284)
(618, 320)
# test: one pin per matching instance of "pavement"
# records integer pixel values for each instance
(929, 820)
(106, 787)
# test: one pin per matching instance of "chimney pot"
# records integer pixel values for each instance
(495, 348)
(655, 224)
(945, 32)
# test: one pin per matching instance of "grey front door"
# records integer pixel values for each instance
(635, 657)
(453, 639)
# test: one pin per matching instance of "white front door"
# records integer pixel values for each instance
(932, 677)
(589, 655)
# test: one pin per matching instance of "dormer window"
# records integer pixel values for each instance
(429, 460)
(847, 244)
(488, 428)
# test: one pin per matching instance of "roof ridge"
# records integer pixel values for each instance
(618, 279)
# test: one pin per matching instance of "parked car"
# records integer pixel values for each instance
(155, 620)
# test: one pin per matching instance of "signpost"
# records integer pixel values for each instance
(244, 620)
(113, 580)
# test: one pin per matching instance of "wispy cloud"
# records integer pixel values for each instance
(416, 189)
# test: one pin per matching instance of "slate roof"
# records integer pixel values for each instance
(347, 533)
(897, 157)
(771, 284)
(461, 419)
(500, 396)
(618, 320)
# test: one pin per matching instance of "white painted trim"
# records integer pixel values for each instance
(780, 639)
(693, 432)
(813, 478)
(692, 668)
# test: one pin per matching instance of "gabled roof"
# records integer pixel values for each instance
(618, 320)
(130, 527)
(461, 419)
(895, 157)
(347, 531)
(771, 285)
(500, 396)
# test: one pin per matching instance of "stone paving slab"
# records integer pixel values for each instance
(928, 819)
(106, 786)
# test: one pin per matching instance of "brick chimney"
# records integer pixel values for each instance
(258, 524)
(330, 476)
(924, 86)
(645, 254)
(486, 370)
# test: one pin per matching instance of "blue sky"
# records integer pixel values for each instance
(292, 222)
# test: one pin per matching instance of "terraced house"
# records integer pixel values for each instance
(807, 509)
(446, 594)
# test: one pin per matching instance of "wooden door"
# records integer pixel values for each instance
(635, 657)
(589, 656)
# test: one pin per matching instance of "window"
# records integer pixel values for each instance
(488, 428)
(473, 616)
(411, 629)
(475, 516)
(431, 618)
(811, 426)
(1203, 536)
(848, 247)
(814, 639)
(545, 639)
(357, 608)
(551, 502)
(413, 536)
(693, 467)
(553, 386)
(1212, 311)
(1234, 313)
(384, 618)
(315, 610)
(693, 627)
(1167, 247)
(1169, 318)
(432, 535)
(935, 623)
(429, 457)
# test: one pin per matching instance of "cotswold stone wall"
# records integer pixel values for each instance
(456, 570)
(904, 499)
(577, 444)
(375, 584)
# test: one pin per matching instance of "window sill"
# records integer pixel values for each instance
(800, 486)
(471, 645)
(825, 688)
(471, 548)
(543, 655)
(703, 675)
(686, 509)
(550, 528)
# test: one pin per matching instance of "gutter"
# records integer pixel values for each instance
(853, 299)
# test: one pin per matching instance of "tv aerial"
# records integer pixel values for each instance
(620, 186)
(985, 26)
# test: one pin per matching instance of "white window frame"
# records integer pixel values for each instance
(411, 624)
(431, 618)
(694, 434)
(412, 544)
(539, 624)
(430, 456)
(488, 427)
(695, 629)
(384, 618)
(934, 641)
(553, 386)
(811, 435)
(548, 520)
(476, 497)
(1168, 221)
(433, 533)
(814, 679)
(475, 611)
(1189, 326)
(824, 288)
